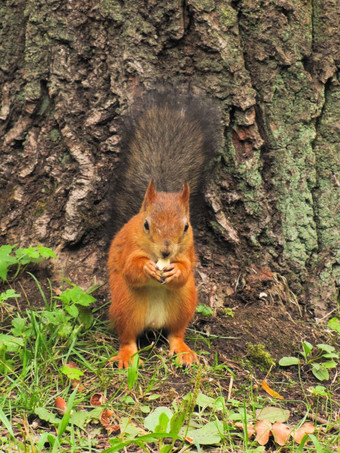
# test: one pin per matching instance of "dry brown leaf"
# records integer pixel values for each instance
(270, 391)
(281, 433)
(263, 431)
(61, 405)
(229, 290)
(71, 365)
(250, 428)
(306, 428)
(105, 417)
(97, 399)
(112, 429)
(259, 275)
(76, 383)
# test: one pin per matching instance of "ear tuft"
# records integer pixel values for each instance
(185, 194)
(150, 196)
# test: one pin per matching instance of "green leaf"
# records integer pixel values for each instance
(34, 254)
(77, 296)
(288, 361)
(320, 372)
(127, 399)
(177, 421)
(6, 260)
(307, 347)
(9, 343)
(65, 330)
(54, 317)
(154, 396)
(9, 294)
(204, 310)
(204, 401)
(127, 428)
(72, 373)
(329, 364)
(334, 324)
(318, 390)
(47, 416)
(272, 414)
(79, 418)
(145, 409)
(163, 423)
(326, 348)
(72, 310)
(85, 316)
(209, 434)
(46, 252)
(331, 355)
(28, 255)
(153, 419)
(19, 326)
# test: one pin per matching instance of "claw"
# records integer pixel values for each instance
(170, 273)
(151, 270)
(185, 356)
(125, 356)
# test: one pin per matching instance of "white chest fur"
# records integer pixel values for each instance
(157, 309)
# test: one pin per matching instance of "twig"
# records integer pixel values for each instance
(321, 420)
(230, 387)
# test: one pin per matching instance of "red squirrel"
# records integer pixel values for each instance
(169, 140)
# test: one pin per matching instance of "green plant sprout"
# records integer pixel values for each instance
(324, 359)
(21, 257)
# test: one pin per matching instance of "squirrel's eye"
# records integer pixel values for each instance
(146, 225)
(186, 227)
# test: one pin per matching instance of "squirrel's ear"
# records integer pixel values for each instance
(150, 195)
(185, 194)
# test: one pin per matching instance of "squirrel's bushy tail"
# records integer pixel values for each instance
(168, 138)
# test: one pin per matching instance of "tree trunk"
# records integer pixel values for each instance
(69, 70)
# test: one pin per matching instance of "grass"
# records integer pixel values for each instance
(158, 407)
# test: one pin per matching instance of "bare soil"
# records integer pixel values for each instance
(251, 306)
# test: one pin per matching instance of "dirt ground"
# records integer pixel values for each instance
(250, 307)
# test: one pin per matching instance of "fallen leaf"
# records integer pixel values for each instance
(76, 383)
(281, 433)
(270, 391)
(97, 399)
(112, 429)
(306, 428)
(229, 290)
(105, 417)
(61, 405)
(72, 365)
(263, 431)
(260, 275)
(189, 439)
(250, 428)
(273, 414)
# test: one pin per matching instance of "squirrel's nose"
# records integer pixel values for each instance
(165, 253)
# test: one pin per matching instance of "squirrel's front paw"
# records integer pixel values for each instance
(170, 273)
(151, 270)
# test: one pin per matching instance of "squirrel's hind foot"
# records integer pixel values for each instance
(125, 356)
(185, 356)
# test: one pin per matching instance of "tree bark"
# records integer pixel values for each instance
(70, 69)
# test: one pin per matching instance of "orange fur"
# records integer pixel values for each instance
(142, 296)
